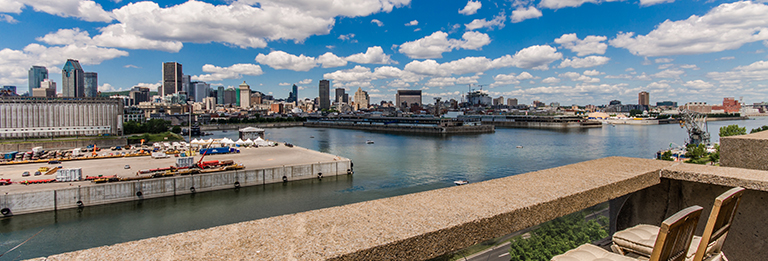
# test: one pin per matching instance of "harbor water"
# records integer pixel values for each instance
(395, 164)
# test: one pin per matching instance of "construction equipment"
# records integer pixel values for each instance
(696, 124)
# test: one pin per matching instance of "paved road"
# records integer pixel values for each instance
(497, 253)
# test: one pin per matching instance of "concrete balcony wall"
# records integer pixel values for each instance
(431, 223)
(745, 151)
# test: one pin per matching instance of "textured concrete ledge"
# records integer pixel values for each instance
(723, 176)
(412, 227)
(745, 151)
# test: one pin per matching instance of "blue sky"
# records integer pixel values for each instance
(567, 51)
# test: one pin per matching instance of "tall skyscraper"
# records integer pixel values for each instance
(361, 99)
(293, 96)
(187, 86)
(220, 95)
(643, 98)
(172, 79)
(324, 96)
(339, 95)
(36, 75)
(72, 79)
(245, 95)
(91, 84)
(199, 90)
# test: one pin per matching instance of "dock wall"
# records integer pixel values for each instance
(83, 196)
(410, 129)
(540, 125)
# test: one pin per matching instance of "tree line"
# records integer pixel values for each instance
(558, 236)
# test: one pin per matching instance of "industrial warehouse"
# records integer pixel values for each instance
(55, 117)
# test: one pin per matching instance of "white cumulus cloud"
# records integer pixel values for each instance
(589, 61)
(412, 23)
(497, 21)
(434, 45)
(590, 45)
(377, 22)
(86, 10)
(329, 60)
(236, 71)
(374, 55)
(283, 60)
(725, 27)
(521, 14)
(471, 8)
(537, 57)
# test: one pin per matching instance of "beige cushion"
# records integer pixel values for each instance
(638, 239)
(590, 252)
(641, 238)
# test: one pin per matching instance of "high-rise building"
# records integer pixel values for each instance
(72, 79)
(512, 102)
(245, 95)
(230, 96)
(139, 94)
(324, 96)
(220, 95)
(186, 85)
(36, 75)
(199, 91)
(406, 98)
(339, 95)
(172, 79)
(47, 89)
(498, 101)
(294, 95)
(361, 99)
(91, 84)
(643, 98)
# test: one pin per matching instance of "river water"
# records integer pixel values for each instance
(395, 164)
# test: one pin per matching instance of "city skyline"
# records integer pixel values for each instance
(524, 50)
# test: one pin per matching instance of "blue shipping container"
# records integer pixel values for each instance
(210, 151)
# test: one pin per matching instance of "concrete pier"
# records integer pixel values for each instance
(263, 166)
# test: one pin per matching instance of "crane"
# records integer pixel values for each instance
(696, 124)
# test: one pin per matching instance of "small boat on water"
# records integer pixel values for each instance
(460, 182)
(369, 142)
(519, 146)
(311, 137)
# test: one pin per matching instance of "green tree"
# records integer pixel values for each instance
(732, 130)
(715, 157)
(557, 237)
(696, 153)
(634, 112)
(176, 129)
(667, 155)
(765, 127)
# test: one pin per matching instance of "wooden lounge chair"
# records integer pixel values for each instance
(672, 244)
(637, 240)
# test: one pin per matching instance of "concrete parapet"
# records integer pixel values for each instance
(431, 223)
(413, 227)
(745, 151)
